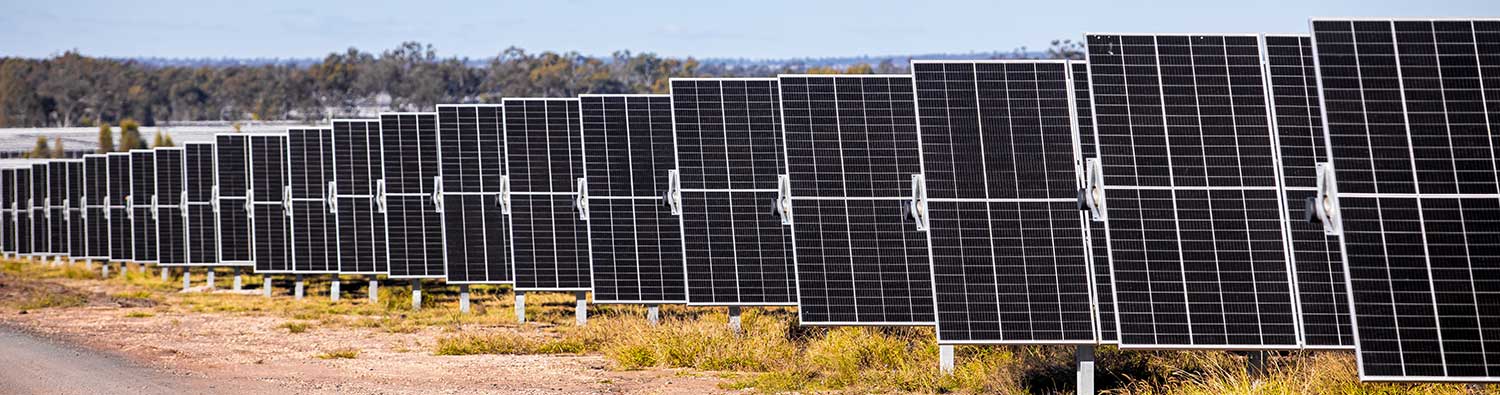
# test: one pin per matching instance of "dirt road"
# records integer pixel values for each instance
(107, 345)
(33, 364)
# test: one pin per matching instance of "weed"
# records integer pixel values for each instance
(342, 353)
(294, 326)
(140, 314)
(46, 300)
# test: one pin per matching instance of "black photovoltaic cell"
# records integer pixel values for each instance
(635, 240)
(544, 158)
(471, 144)
(41, 217)
(409, 147)
(551, 243)
(415, 234)
(171, 221)
(413, 223)
(361, 228)
(1322, 296)
(143, 205)
(476, 233)
(22, 224)
(57, 211)
(729, 152)
(231, 177)
(314, 228)
(1410, 107)
(1192, 192)
(269, 212)
(1009, 259)
(1104, 291)
(202, 221)
(7, 210)
(628, 146)
(74, 205)
(851, 151)
(117, 200)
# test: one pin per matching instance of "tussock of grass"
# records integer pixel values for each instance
(1218, 373)
(506, 343)
(294, 326)
(48, 300)
(44, 270)
(140, 314)
(342, 353)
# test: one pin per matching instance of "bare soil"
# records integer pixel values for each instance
(218, 353)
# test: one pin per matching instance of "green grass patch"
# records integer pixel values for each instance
(140, 314)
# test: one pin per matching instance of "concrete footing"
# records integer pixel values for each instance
(520, 307)
(463, 298)
(581, 312)
(945, 358)
(416, 294)
(734, 319)
(1085, 358)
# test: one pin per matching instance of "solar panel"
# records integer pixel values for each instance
(23, 211)
(851, 152)
(232, 202)
(57, 212)
(270, 219)
(1104, 302)
(729, 152)
(170, 215)
(8, 210)
(314, 228)
(73, 204)
(1409, 108)
(636, 241)
(475, 230)
(544, 158)
(361, 227)
(117, 197)
(1321, 294)
(413, 220)
(95, 206)
(1191, 192)
(199, 204)
(143, 205)
(41, 213)
(1000, 177)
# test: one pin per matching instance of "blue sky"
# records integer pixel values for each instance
(752, 29)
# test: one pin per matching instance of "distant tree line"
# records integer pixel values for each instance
(77, 90)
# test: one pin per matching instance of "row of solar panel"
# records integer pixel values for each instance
(1150, 196)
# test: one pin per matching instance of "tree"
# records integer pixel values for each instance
(40, 150)
(106, 139)
(57, 148)
(162, 140)
(1066, 49)
(130, 136)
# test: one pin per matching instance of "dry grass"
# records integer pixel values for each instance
(342, 353)
(771, 354)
